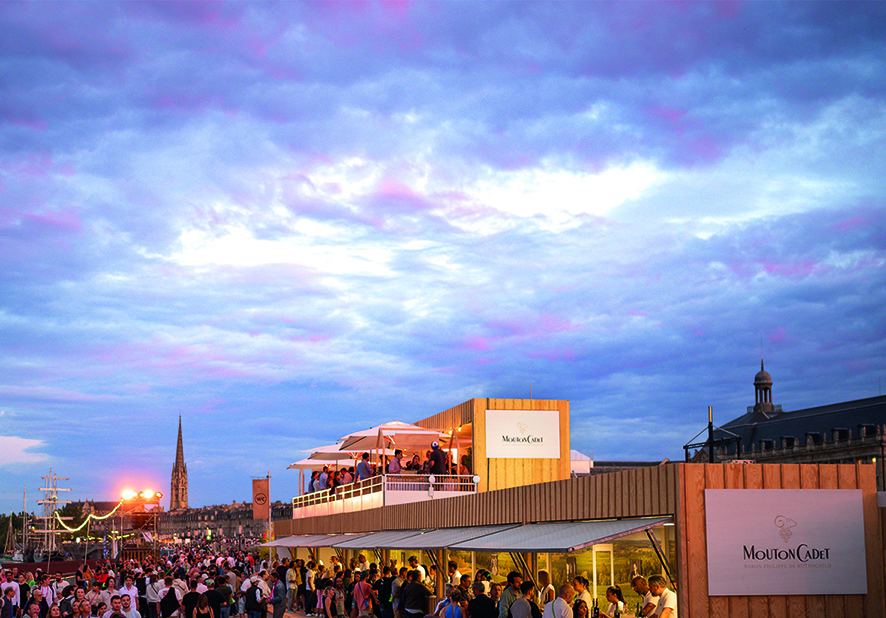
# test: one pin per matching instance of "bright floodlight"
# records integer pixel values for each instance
(128, 494)
(147, 494)
(158, 495)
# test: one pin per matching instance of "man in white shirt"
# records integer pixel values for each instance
(11, 583)
(47, 590)
(127, 608)
(201, 587)
(59, 585)
(561, 606)
(131, 591)
(310, 588)
(115, 606)
(414, 565)
(667, 599)
(650, 601)
(110, 592)
(454, 575)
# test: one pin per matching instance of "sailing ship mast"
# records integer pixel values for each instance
(50, 502)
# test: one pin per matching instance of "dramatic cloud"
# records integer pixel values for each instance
(287, 221)
(15, 451)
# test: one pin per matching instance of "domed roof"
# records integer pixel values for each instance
(762, 376)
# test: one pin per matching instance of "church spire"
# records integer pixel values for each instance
(178, 498)
(179, 449)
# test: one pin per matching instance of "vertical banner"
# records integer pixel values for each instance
(260, 499)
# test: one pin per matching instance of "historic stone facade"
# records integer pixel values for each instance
(225, 521)
(178, 498)
(846, 432)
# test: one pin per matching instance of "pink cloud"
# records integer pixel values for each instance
(672, 116)
(851, 223)
(480, 344)
(779, 335)
(791, 270)
(555, 355)
(41, 165)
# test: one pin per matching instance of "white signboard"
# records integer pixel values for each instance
(785, 542)
(522, 434)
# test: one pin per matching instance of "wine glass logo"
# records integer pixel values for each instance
(522, 427)
(784, 524)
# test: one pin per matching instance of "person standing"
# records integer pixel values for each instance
(395, 465)
(414, 596)
(364, 470)
(510, 594)
(170, 599)
(293, 581)
(130, 590)
(216, 599)
(560, 607)
(641, 587)
(546, 592)
(481, 606)
(363, 596)
(255, 606)
(667, 599)
(127, 608)
(525, 606)
(580, 585)
(437, 459)
(278, 595)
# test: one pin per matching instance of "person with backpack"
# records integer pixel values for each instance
(255, 601)
(364, 596)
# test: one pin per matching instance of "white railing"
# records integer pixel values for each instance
(381, 490)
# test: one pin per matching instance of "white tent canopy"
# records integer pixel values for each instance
(316, 464)
(393, 435)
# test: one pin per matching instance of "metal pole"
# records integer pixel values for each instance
(710, 434)
(270, 515)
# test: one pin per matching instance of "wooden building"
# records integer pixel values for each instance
(674, 490)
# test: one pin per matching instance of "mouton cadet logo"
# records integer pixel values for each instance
(784, 525)
(523, 434)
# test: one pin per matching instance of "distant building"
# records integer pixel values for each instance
(225, 521)
(847, 432)
(178, 498)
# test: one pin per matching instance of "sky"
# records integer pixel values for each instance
(289, 221)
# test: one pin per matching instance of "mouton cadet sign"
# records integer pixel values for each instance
(522, 434)
(785, 542)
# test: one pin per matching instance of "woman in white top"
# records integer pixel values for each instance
(580, 583)
(616, 600)
(546, 592)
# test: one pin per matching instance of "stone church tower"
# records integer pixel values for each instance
(178, 498)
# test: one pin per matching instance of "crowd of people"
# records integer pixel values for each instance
(362, 590)
(436, 461)
(198, 582)
(192, 583)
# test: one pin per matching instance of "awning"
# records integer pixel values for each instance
(328, 540)
(446, 537)
(380, 540)
(294, 541)
(560, 537)
(311, 540)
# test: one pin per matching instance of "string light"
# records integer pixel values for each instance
(86, 521)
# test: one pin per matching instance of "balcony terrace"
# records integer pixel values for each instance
(382, 490)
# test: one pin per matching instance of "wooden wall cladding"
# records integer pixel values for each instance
(631, 493)
(505, 473)
(692, 540)
(672, 489)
